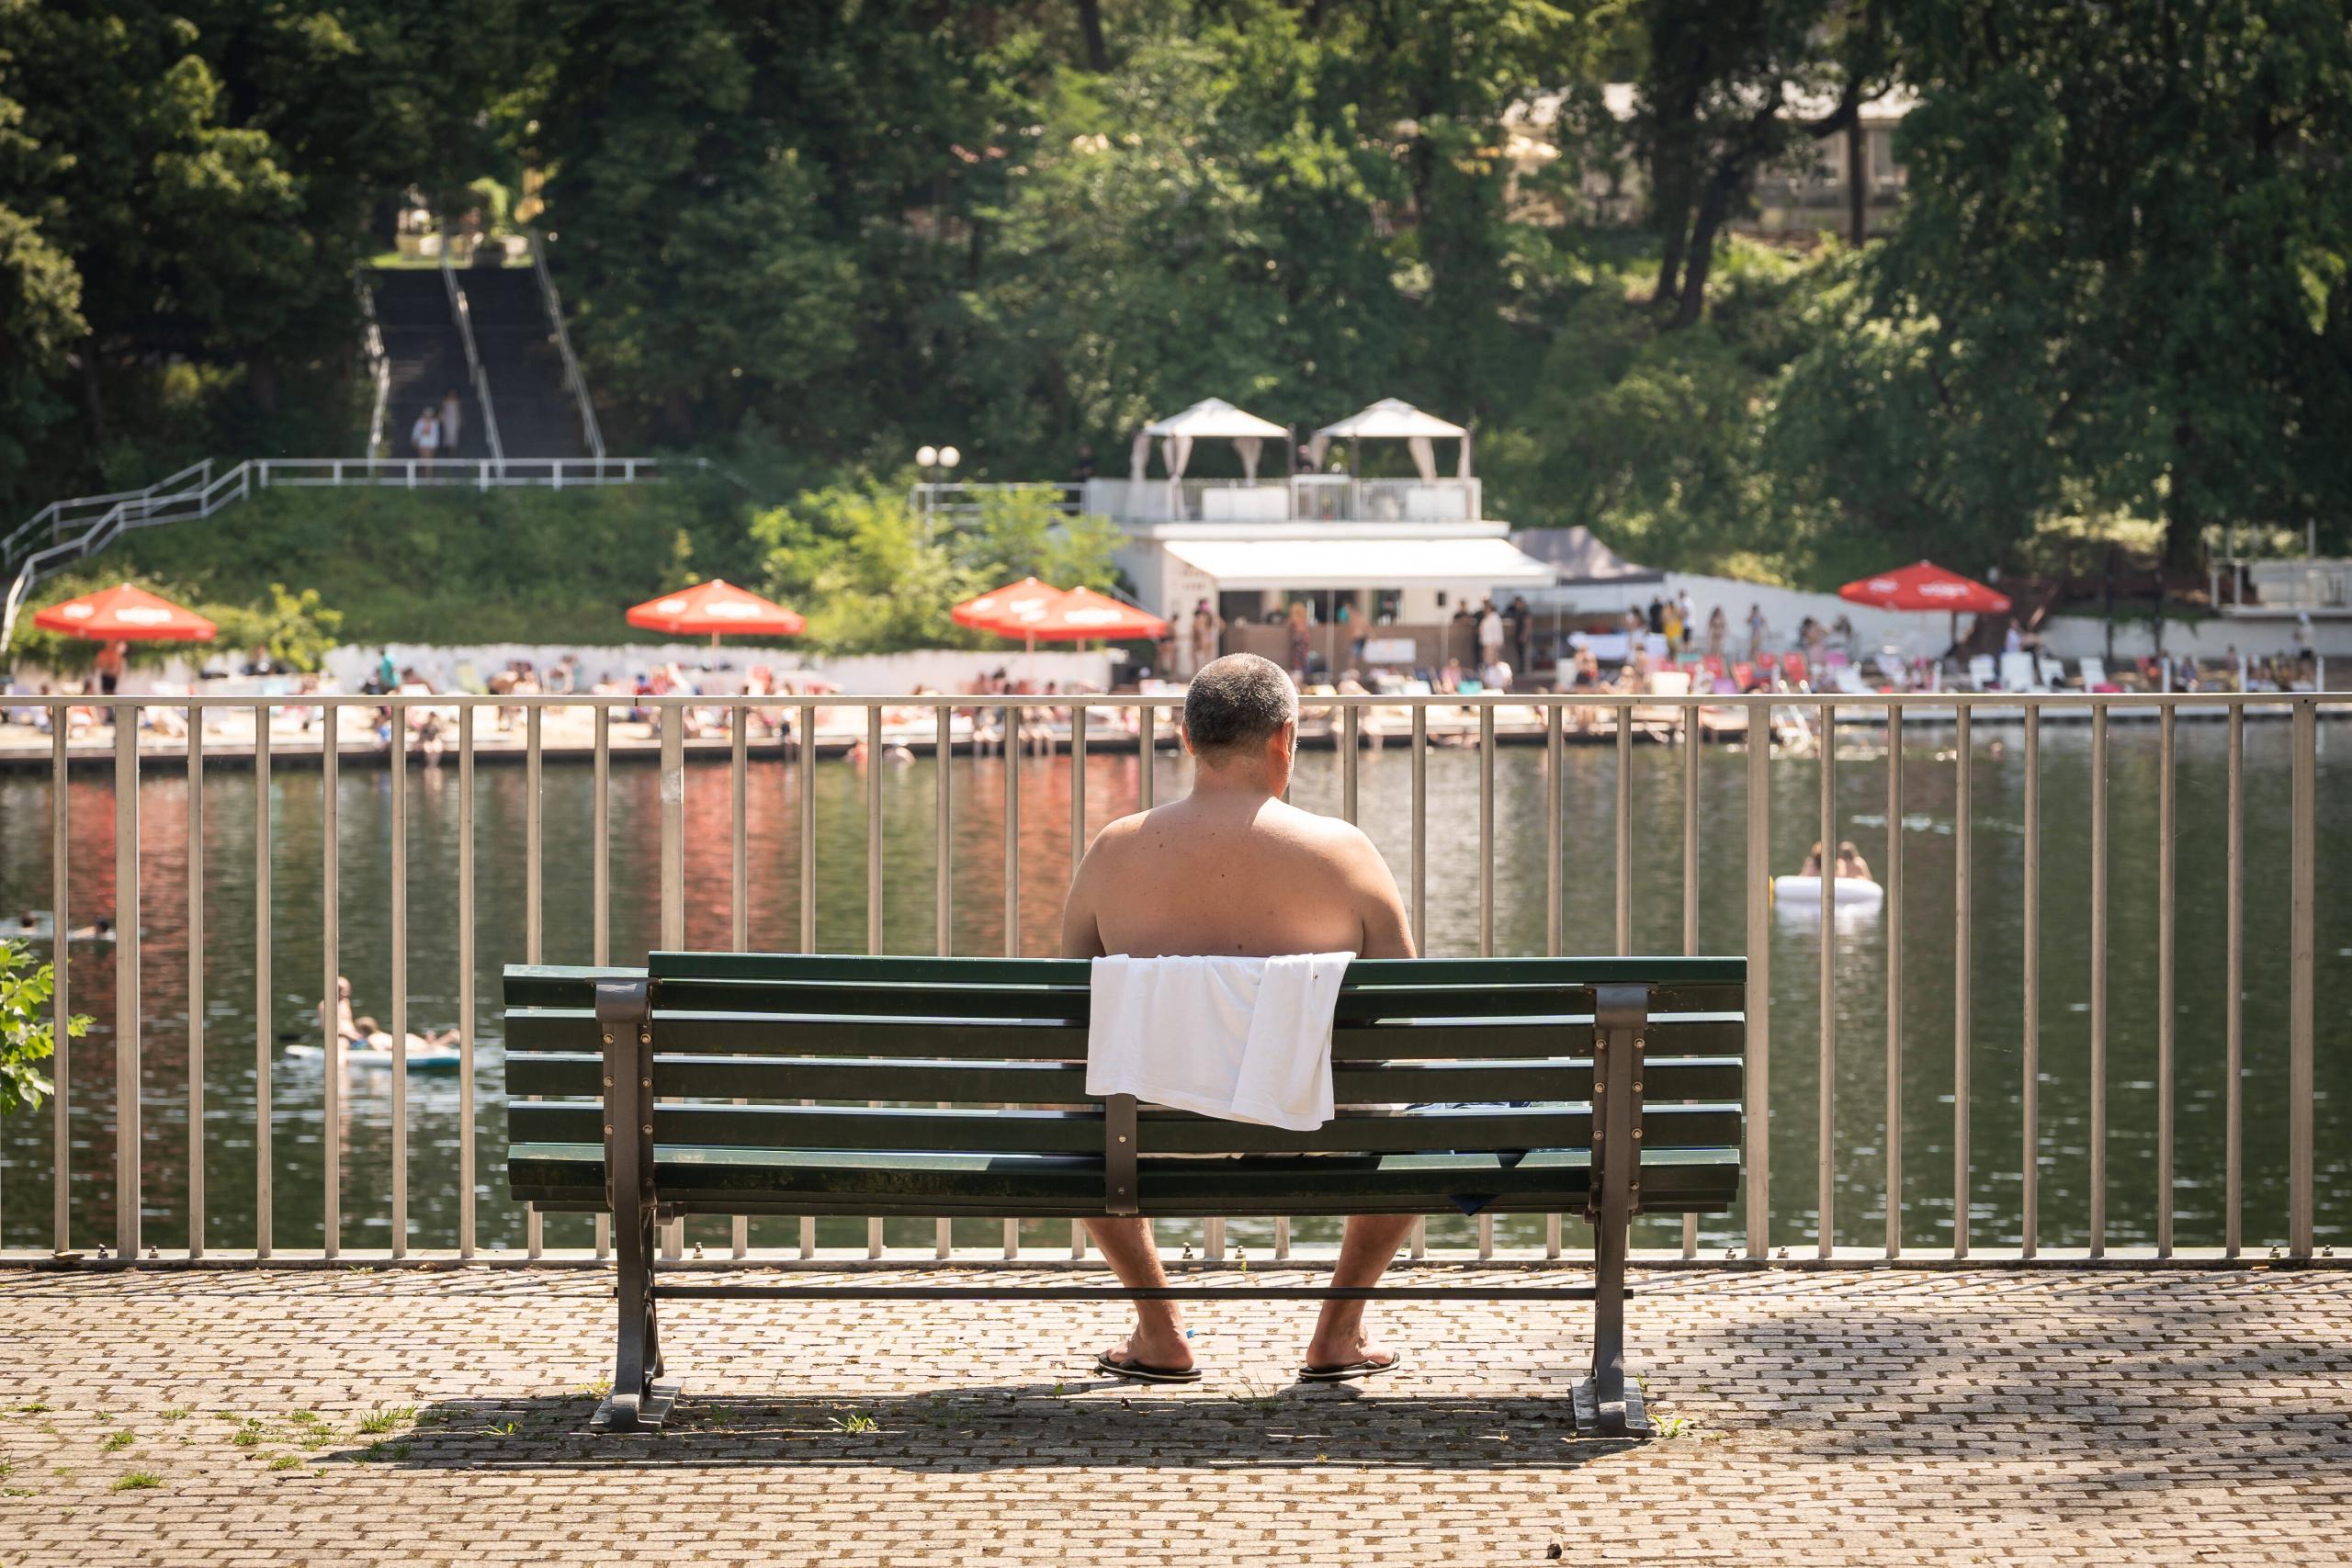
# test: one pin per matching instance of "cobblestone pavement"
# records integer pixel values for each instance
(1881, 1417)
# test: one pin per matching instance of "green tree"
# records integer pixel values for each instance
(28, 1031)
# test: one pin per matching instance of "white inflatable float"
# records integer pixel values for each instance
(427, 1057)
(1846, 892)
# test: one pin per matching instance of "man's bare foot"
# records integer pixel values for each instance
(1350, 1349)
(1161, 1349)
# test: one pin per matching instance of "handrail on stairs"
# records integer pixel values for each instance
(572, 375)
(464, 313)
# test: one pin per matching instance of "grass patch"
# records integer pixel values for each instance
(138, 1481)
(383, 1453)
(387, 1418)
(15, 1490)
(119, 1441)
(304, 1417)
(857, 1422)
(284, 1462)
(248, 1435)
(176, 1415)
(34, 1408)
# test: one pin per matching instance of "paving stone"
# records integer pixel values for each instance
(1885, 1418)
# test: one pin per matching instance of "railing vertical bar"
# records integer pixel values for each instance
(396, 763)
(1009, 748)
(738, 885)
(61, 1108)
(194, 982)
(2166, 924)
(1691, 745)
(533, 936)
(1077, 716)
(2233, 985)
(2301, 948)
(1420, 832)
(466, 980)
(1825, 1135)
(1485, 830)
(1148, 754)
(600, 894)
(2029, 1089)
(1351, 764)
(1963, 889)
(873, 829)
(807, 827)
(265, 1038)
(1625, 831)
(1893, 980)
(1555, 787)
(2098, 980)
(670, 720)
(943, 934)
(127, 1052)
(1755, 1126)
(1282, 1241)
(331, 943)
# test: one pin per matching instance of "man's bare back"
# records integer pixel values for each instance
(1232, 870)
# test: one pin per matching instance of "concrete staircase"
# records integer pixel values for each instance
(537, 416)
(427, 357)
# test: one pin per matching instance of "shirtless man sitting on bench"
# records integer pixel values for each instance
(1231, 869)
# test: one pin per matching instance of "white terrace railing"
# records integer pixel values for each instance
(2013, 735)
(65, 532)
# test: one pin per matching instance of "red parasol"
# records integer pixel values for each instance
(1927, 587)
(126, 614)
(1008, 610)
(717, 607)
(1083, 616)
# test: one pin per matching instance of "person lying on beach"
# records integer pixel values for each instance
(1233, 869)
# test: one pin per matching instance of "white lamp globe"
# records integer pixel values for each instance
(926, 457)
(949, 456)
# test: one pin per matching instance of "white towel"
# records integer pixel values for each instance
(1240, 1039)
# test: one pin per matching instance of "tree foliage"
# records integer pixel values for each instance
(27, 1029)
(811, 238)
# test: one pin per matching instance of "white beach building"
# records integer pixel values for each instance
(1384, 564)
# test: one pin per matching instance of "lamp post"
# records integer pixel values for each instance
(936, 462)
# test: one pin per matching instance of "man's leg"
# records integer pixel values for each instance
(1366, 1251)
(1159, 1338)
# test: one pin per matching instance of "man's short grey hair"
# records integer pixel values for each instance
(1239, 701)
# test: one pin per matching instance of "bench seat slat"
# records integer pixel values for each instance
(1584, 971)
(1357, 1004)
(709, 1032)
(1080, 1131)
(786, 1181)
(696, 1077)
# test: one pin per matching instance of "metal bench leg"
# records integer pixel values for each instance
(1609, 1402)
(636, 1401)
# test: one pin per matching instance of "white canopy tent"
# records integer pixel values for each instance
(1394, 419)
(1308, 564)
(1211, 419)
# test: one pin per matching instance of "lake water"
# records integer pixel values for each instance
(295, 963)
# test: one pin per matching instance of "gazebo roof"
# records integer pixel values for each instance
(1390, 419)
(1215, 418)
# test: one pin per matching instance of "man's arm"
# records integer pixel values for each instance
(1386, 933)
(1081, 937)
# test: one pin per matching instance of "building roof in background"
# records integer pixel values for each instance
(1574, 556)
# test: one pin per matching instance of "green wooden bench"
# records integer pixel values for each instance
(1633, 1066)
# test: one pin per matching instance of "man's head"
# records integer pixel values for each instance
(1241, 712)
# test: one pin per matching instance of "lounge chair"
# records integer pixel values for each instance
(2018, 673)
(1981, 675)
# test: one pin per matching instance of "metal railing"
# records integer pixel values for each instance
(379, 364)
(1349, 725)
(80, 529)
(572, 375)
(463, 315)
(1316, 498)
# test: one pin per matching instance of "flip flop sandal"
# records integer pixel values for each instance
(1137, 1371)
(1352, 1370)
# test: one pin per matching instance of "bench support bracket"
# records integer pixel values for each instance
(1609, 1402)
(625, 1019)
